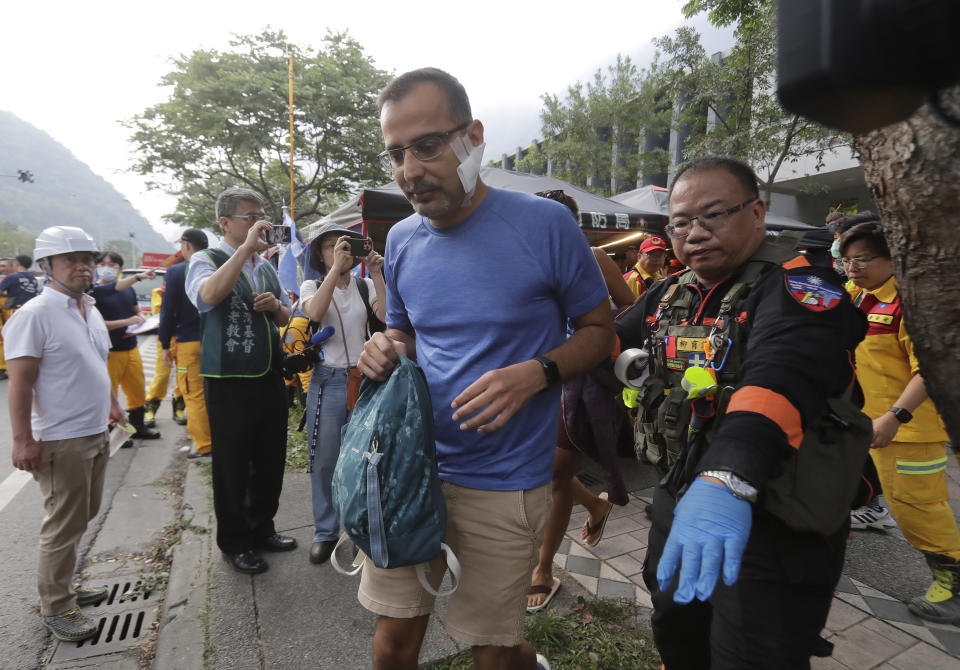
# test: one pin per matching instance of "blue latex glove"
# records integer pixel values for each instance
(710, 527)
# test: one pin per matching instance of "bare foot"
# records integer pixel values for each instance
(592, 529)
(539, 579)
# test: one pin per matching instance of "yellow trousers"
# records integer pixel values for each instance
(294, 340)
(914, 479)
(5, 315)
(126, 371)
(190, 385)
(161, 376)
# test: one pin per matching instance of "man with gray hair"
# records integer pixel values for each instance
(241, 305)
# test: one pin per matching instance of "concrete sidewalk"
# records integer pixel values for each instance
(298, 615)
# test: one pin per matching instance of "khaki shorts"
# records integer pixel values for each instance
(496, 536)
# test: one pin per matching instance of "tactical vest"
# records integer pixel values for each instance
(235, 341)
(673, 431)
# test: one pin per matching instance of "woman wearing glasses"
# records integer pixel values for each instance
(338, 301)
(909, 438)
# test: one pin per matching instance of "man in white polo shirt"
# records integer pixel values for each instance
(60, 404)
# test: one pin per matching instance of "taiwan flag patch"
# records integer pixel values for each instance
(813, 292)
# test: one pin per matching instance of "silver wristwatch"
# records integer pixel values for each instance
(738, 487)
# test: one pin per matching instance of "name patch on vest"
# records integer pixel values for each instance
(691, 343)
(885, 319)
(239, 327)
(813, 292)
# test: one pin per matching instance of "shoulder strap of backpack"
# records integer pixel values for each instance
(364, 293)
(374, 324)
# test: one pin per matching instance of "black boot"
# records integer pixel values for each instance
(180, 410)
(135, 417)
(150, 413)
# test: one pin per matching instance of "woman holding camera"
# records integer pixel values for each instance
(337, 300)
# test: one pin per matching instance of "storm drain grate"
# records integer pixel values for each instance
(120, 623)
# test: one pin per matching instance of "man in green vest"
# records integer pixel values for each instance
(241, 305)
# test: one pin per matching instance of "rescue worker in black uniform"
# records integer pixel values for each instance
(762, 459)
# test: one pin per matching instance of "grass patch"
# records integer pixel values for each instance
(598, 634)
(298, 456)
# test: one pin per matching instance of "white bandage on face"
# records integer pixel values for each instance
(469, 168)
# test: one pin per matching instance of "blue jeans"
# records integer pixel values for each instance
(328, 388)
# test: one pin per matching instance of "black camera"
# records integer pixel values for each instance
(306, 358)
(294, 364)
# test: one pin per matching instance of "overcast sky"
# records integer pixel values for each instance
(75, 69)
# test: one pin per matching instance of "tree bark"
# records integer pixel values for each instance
(913, 171)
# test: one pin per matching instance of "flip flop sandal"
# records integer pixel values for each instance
(595, 532)
(542, 588)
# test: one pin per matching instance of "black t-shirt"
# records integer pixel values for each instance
(21, 286)
(115, 305)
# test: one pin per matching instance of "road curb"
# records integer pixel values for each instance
(184, 624)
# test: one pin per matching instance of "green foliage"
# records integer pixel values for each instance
(15, 240)
(729, 105)
(65, 191)
(535, 162)
(226, 123)
(724, 106)
(593, 131)
(727, 12)
(598, 634)
(298, 457)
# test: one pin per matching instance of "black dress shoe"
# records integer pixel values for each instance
(277, 542)
(320, 551)
(247, 562)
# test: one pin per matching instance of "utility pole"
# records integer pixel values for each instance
(133, 250)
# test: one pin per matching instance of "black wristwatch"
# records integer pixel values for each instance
(550, 370)
(903, 415)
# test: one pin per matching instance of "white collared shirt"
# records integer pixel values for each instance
(201, 268)
(71, 397)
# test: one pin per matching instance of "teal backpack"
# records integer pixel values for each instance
(386, 489)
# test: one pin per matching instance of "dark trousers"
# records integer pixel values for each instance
(248, 427)
(772, 615)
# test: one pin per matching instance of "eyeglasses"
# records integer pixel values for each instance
(427, 148)
(856, 263)
(680, 228)
(251, 218)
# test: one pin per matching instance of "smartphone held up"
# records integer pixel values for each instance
(360, 247)
(278, 234)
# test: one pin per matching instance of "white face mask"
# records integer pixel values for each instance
(106, 273)
(835, 249)
(469, 169)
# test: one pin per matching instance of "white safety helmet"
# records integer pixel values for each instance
(62, 240)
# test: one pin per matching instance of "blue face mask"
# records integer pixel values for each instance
(105, 273)
(835, 249)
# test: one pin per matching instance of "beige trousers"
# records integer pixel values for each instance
(71, 481)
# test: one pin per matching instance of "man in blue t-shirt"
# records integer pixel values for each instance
(17, 287)
(492, 345)
(117, 302)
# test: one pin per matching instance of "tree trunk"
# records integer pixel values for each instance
(913, 171)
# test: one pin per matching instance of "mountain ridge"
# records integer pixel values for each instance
(65, 190)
